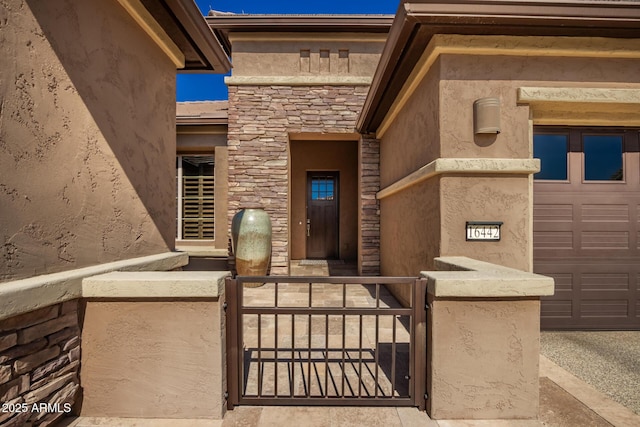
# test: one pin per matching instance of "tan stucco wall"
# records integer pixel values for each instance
(437, 122)
(153, 359)
(87, 138)
(409, 220)
(413, 139)
(341, 156)
(268, 54)
(486, 198)
(483, 358)
(409, 233)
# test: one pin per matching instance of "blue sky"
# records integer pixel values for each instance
(202, 87)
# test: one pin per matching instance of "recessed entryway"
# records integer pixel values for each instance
(324, 200)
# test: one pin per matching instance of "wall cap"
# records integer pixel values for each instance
(462, 277)
(528, 95)
(155, 284)
(22, 296)
(464, 166)
(297, 80)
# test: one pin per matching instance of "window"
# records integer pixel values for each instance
(195, 198)
(322, 188)
(552, 151)
(589, 154)
(602, 157)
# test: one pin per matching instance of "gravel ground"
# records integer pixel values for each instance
(609, 361)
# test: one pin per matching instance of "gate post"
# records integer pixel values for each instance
(419, 343)
(231, 321)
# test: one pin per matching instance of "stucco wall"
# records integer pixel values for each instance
(409, 220)
(437, 122)
(293, 54)
(87, 138)
(153, 359)
(486, 198)
(483, 361)
(413, 139)
(410, 233)
(341, 156)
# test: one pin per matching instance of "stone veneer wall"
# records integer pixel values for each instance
(369, 250)
(39, 364)
(260, 121)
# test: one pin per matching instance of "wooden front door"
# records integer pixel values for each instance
(322, 215)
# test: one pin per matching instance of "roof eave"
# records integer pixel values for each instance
(417, 22)
(223, 25)
(189, 29)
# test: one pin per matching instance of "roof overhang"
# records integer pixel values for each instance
(224, 24)
(181, 31)
(416, 22)
(202, 113)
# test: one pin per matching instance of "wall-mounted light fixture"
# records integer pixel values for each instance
(486, 116)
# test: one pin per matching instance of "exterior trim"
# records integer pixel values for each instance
(507, 46)
(462, 277)
(304, 23)
(307, 37)
(150, 26)
(417, 23)
(571, 106)
(22, 296)
(461, 166)
(530, 95)
(155, 284)
(297, 80)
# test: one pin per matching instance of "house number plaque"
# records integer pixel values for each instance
(483, 231)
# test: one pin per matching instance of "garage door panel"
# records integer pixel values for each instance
(606, 282)
(555, 240)
(605, 240)
(606, 214)
(591, 293)
(595, 308)
(549, 212)
(557, 309)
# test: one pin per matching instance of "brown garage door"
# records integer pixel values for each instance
(586, 230)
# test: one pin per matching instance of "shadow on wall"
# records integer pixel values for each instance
(116, 120)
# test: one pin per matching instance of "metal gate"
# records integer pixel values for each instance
(325, 341)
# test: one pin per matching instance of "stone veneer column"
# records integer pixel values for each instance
(260, 121)
(369, 233)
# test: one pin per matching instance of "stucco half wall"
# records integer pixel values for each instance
(87, 131)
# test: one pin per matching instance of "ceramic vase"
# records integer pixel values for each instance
(251, 242)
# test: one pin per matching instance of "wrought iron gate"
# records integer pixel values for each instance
(325, 341)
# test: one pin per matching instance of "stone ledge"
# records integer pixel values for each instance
(529, 95)
(466, 166)
(468, 278)
(297, 80)
(25, 295)
(153, 284)
(202, 251)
